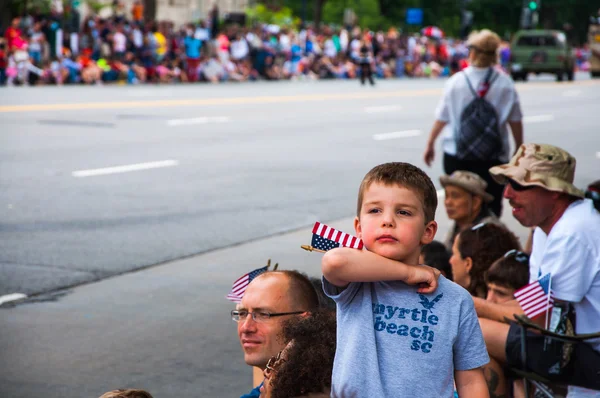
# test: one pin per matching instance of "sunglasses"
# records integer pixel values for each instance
(520, 256)
(591, 194)
(518, 187)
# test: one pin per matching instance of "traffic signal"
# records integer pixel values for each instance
(534, 5)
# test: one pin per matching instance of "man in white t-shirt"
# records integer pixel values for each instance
(566, 244)
(499, 92)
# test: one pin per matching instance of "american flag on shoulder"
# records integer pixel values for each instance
(239, 286)
(326, 238)
(536, 298)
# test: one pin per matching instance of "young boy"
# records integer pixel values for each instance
(396, 340)
(506, 275)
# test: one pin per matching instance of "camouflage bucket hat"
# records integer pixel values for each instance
(540, 165)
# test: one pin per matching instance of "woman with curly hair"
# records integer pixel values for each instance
(473, 252)
(303, 367)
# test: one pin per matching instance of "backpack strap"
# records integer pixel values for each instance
(489, 80)
(470, 85)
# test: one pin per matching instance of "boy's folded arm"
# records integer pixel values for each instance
(471, 383)
(341, 266)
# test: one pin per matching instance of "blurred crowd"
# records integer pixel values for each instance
(53, 49)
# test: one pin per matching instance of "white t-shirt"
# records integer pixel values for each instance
(457, 96)
(239, 49)
(571, 253)
(119, 42)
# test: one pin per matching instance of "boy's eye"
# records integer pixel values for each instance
(373, 211)
(404, 213)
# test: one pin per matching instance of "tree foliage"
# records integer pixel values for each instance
(502, 16)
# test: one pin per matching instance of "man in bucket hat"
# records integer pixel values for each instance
(566, 244)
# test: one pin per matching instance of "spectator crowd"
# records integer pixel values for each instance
(53, 49)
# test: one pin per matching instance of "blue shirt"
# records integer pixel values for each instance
(192, 47)
(255, 393)
(395, 342)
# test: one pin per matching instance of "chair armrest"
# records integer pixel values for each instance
(528, 324)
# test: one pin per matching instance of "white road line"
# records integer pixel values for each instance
(396, 134)
(381, 109)
(197, 120)
(571, 93)
(12, 297)
(538, 118)
(125, 168)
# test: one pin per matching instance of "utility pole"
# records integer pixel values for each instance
(466, 19)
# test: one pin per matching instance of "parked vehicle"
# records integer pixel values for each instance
(541, 51)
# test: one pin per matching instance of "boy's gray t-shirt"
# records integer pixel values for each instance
(395, 342)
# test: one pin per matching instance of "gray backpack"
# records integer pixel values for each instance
(478, 134)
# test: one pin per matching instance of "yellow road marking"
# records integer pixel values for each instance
(214, 101)
(257, 100)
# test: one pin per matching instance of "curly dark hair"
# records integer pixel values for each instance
(484, 244)
(307, 369)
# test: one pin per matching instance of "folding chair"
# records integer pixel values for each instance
(542, 382)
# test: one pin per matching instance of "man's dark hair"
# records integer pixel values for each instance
(405, 175)
(511, 272)
(484, 244)
(309, 360)
(303, 294)
(437, 256)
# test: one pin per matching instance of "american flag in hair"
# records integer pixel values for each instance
(239, 286)
(327, 238)
(536, 298)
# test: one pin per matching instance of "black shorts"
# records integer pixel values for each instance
(545, 358)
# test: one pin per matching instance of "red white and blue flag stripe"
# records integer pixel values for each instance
(334, 235)
(536, 298)
(239, 286)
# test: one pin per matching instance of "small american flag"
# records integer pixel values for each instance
(536, 298)
(239, 286)
(342, 238)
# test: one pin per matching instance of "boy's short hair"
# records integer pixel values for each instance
(511, 271)
(437, 256)
(405, 175)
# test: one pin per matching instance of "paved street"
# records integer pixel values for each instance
(99, 181)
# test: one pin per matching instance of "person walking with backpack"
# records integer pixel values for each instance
(473, 116)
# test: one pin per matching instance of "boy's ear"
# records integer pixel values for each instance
(357, 228)
(429, 232)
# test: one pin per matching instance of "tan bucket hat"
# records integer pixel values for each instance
(540, 165)
(468, 181)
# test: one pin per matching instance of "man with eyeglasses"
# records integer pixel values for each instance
(270, 299)
(566, 244)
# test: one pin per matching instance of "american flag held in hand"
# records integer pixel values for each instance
(536, 298)
(239, 286)
(326, 238)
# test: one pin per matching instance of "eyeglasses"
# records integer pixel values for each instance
(271, 365)
(259, 316)
(520, 256)
(518, 187)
